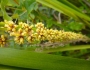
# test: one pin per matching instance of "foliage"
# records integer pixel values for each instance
(40, 61)
(76, 13)
(31, 12)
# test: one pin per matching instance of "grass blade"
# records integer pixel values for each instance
(66, 9)
(77, 47)
(27, 59)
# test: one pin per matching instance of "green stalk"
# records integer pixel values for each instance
(77, 47)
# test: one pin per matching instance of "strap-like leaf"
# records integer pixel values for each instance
(77, 47)
(27, 59)
(64, 7)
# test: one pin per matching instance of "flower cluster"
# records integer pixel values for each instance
(19, 36)
(40, 31)
(28, 30)
(10, 25)
(3, 40)
(31, 33)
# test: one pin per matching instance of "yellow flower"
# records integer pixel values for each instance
(39, 25)
(3, 40)
(10, 26)
(21, 40)
(40, 33)
(31, 38)
(19, 36)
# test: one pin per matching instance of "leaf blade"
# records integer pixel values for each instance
(27, 59)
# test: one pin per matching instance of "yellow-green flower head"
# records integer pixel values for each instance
(10, 26)
(29, 29)
(31, 38)
(26, 26)
(19, 36)
(3, 40)
(39, 25)
(41, 33)
(21, 24)
(19, 40)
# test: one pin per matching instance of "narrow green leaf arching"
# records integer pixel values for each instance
(5, 15)
(40, 61)
(66, 9)
(60, 49)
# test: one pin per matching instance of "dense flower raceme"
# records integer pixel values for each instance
(31, 33)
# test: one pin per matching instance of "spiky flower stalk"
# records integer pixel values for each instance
(38, 32)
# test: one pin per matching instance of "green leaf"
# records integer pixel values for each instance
(36, 7)
(76, 26)
(70, 5)
(12, 3)
(2, 24)
(23, 16)
(29, 5)
(32, 15)
(14, 16)
(33, 60)
(5, 15)
(4, 2)
(57, 6)
(49, 23)
(5, 67)
(77, 47)
(66, 9)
